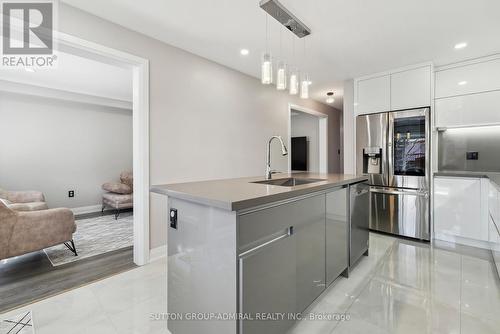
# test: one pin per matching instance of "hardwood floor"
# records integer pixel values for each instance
(31, 277)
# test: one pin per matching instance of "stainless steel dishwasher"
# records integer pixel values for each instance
(359, 221)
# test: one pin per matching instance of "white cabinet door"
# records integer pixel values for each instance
(458, 209)
(474, 78)
(411, 89)
(468, 110)
(373, 95)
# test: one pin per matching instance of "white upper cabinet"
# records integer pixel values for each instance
(468, 110)
(373, 95)
(468, 78)
(399, 89)
(411, 89)
(467, 94)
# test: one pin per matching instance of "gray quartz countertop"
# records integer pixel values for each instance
(241, 193)
(494, 177)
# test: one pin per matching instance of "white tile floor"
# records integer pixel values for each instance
(402, 287)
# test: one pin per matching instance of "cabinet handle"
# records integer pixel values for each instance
(288, 233)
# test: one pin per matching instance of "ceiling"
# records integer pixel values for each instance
(349, 38)
(78, 75)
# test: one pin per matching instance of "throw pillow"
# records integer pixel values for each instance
(127, 178)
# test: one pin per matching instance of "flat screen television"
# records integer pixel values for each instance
(299, 153)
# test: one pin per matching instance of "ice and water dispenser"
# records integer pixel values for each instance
(372, 160)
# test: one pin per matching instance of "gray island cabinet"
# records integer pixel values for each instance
(249, 258)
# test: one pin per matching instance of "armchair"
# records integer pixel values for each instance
(25, 232)
(23, 200)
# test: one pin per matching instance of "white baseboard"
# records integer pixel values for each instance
(157, 253)
(87, 209)
(462, 241)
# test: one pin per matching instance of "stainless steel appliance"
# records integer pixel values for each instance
(358, 221)
(393, 149)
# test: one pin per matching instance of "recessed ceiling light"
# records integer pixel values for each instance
(29, 69)
(244, 52)
(460, 45)
(330, 98)
(461, 83)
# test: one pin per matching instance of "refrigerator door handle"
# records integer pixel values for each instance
(389, 191)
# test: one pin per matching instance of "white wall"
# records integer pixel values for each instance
(306, 125)
(206, 120)
(55, 146)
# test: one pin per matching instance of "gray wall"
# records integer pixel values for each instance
(55, 146)
(306, 125)
(206, 120)
(453, 144)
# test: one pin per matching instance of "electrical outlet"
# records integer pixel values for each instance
(173, 218)
(71, 193)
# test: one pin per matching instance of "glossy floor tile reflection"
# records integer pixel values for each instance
(401, 287)
(409, 287)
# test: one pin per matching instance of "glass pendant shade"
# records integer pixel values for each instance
(266, 69)
(304, 87)
(281, 76)
(294, 82)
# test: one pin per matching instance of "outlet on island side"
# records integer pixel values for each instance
(71, 193)
(173, 218)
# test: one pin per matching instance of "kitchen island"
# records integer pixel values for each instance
(249, 255)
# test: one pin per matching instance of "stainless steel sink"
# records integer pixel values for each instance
(288, 182)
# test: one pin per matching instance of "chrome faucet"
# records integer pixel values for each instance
(284, 152)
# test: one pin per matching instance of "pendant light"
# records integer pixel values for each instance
(267, 62)
(329, 97)
(304, 86)
(294, 81)
(293, 87)
(281, 72)
(281, 76)
(304, 78)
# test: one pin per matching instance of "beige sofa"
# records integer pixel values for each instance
(23, 200)
(22, 232)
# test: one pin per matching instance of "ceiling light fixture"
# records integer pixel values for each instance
(462, 83)
(284, 79)
(267, 62)
(459, 46)
(29, 69)
(293, 87)
(304, 83)
(281, 73)
(329, 97)
(244, 52)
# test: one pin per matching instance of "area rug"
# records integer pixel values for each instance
(95, 236)
(21, 323)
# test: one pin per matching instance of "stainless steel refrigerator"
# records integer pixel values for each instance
(393, 149)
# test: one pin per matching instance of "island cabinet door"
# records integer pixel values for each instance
(267, 287)
(281, 262)
(337, 230)
(310, 235)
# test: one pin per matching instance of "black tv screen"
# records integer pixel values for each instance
(299, 153)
